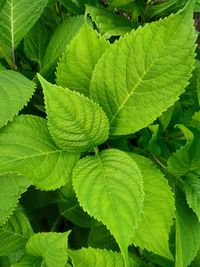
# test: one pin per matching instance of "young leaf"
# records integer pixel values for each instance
(192, 190)
(143, 74)
(108, 23)
(158, 210)
(16, 18)
(26, 147)
(15, 233)
(15, 92)
(187, 232)
(52, 247)
(187, 158)
(59, 42)
(76, 123)
(91, 257)
(77, 63)
(36, 41)
(109, 187)
(12, 185)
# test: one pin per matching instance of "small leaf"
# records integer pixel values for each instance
(158, 211)
(187, 158)
(12, 185)
(16, 18)
(52, 247)
(102, 184)
(187, 232)
(77, 63)
(192, 190)
(76, 123)
(108, 23)
(15, 233)
(15, 92)
(143, 74)
(59, 42)
(26, 147)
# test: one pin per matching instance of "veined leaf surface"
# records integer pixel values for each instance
(26, 147)
(77, 63)
(12, 185)
(158, 210)
(16, 19)
(52, 247)
(144, 73)
(76, 123)
(15, 92)
(109, 187)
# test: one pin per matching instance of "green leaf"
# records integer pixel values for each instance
(2, 2)
(143, 74)
(75, 122)
(192, 190)
(187, 232)
(120, 2)
(108, 23)
(158, 210)
(28, 261)
(186, 159)
(59, 42)
(15, 233)
(52, 247)
(77, 63)
(16, 18)
(12, 185)
(91, 257)
(15, 92)
(102, 184)
(100, 237)
(26, 147)
(36, 41)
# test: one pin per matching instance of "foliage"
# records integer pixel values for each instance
(99, 133)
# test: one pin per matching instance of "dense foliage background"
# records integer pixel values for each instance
(99, 133)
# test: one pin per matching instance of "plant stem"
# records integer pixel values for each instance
(8, 59)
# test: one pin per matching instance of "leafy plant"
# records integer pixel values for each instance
(99, 133)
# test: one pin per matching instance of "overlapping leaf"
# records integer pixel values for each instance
(26, 147)
(12, 185)
(187, 232)
(158, 211)
(15, 233)
(16, 18)
(77, 63)
(144, 73)
(75, 122)
(15, 92)
(52, 247)
(109, 187)
(59, 42)
(91, 257)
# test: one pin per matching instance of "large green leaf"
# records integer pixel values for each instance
(12, 185)
(109, 187)
(59, 41)
(16, 19)
(15, 92)
(36, 41)
(28, 261)
(15, 233)
(75, 122)
(77, 63)
(144, 73)
(192, 190)
(52, 247)
(187, 232)
(158, 211)
(26, 147)
(108, 23)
